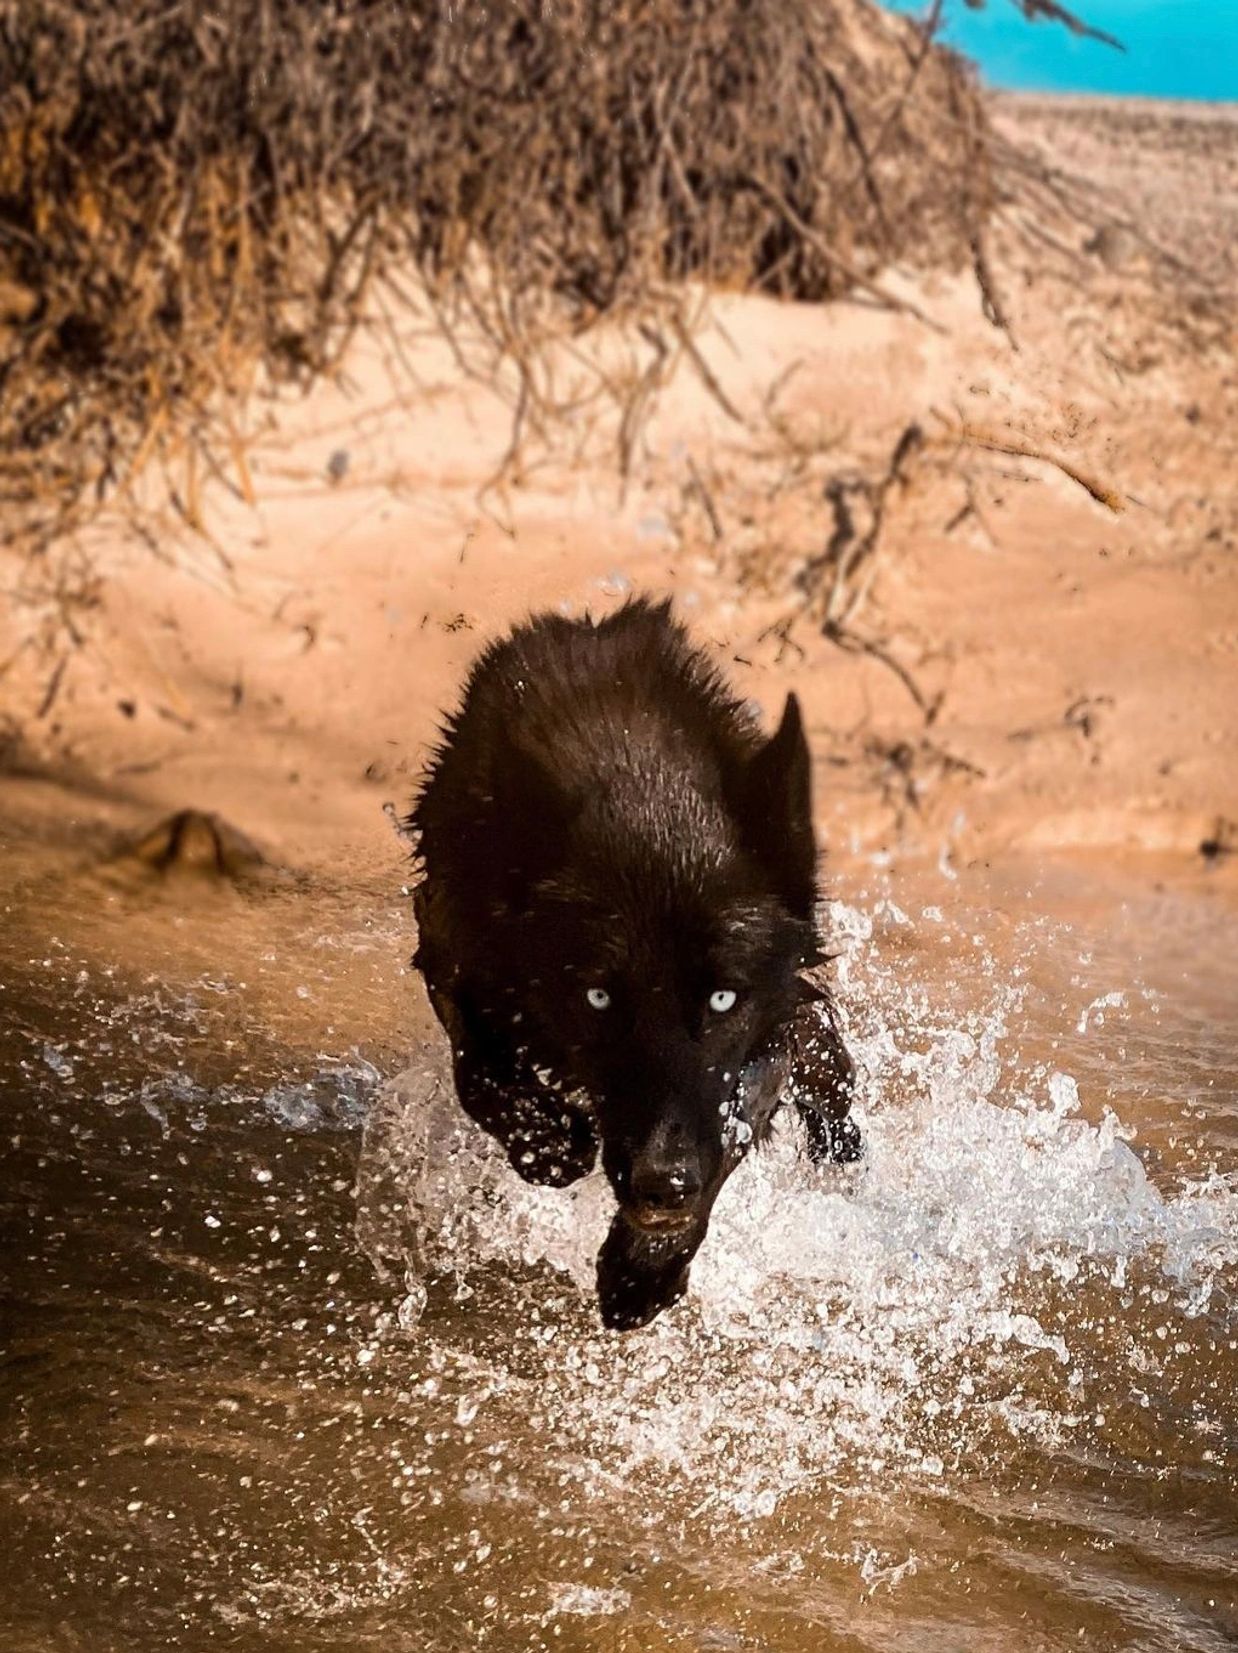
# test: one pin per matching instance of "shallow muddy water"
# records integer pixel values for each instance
(292, 1361)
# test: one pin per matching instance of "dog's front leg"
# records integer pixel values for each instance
(822, 1083)
(548, 1138)
(643, 1271)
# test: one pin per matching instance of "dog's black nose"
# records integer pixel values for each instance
(665, 1184)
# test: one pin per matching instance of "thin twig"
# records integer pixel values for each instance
(969, 436)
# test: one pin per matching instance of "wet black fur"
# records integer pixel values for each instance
(603, 813)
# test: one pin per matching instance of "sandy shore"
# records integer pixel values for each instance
(1020, 666)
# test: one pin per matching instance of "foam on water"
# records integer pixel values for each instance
(903, 1314)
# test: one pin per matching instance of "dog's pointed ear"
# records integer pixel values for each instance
(777, 812)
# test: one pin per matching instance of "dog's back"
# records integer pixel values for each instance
(619, 733)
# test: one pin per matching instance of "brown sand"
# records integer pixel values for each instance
(1027, 670)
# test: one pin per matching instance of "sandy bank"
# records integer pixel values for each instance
(1021, 667)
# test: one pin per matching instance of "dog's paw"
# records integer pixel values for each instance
(628, 1300)
(558, 1156)
(638, 1278)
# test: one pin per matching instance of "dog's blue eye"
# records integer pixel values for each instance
(722, 1001)
(599, 998)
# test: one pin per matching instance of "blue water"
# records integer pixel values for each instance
(1174, 48)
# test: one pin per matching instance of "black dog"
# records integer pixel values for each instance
(618, 903)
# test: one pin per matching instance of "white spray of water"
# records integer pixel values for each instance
(884, 1315)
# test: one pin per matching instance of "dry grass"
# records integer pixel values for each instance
(189, 195)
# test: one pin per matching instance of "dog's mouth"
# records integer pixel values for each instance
(660, 1219)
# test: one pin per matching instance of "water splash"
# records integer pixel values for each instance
(336, 1097)
(904, 1315)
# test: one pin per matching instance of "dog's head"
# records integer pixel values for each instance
(663, 953)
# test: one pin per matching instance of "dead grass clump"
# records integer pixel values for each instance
(188, 192)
